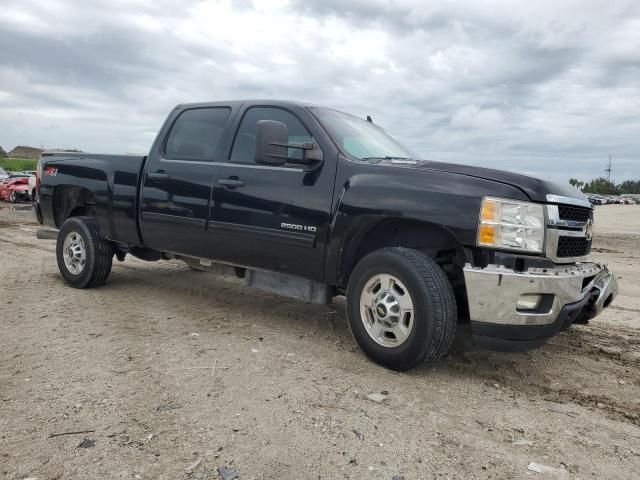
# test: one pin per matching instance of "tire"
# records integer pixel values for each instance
(90, 264)
(425, 331)
(12, 197)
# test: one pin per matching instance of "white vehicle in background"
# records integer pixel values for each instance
(32, 187)
(3, 174)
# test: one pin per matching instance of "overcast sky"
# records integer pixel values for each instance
(549, 88)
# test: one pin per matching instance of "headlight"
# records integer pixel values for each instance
(511, 225)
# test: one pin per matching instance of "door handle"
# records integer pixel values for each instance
(159, 176)
(231, 182)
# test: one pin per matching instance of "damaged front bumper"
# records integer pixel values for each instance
(511, 310)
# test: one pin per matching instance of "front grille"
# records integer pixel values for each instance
(574, 214)
(573, 247)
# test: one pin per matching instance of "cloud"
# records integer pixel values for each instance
(475, 117)
(546, 88)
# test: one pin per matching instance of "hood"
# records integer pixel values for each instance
(536, 189)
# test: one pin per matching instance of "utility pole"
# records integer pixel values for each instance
(608, 169)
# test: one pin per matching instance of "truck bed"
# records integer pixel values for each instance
(108, 183)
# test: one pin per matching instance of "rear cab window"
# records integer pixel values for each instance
(196, 134)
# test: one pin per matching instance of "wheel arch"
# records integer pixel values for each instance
(426, 237)
(429, 238)
(72, 201)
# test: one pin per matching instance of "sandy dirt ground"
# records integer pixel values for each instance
(174, 373)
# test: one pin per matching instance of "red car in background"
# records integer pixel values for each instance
(15, 188)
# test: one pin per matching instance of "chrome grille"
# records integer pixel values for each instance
(568, 227)
(573, 247)
(574, 214)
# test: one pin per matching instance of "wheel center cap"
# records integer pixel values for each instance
(381, 310)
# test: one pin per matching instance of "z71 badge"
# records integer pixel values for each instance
(301, 228)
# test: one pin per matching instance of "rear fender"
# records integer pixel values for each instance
(75, 186)
(72, 201)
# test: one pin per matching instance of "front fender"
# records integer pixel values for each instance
(447, 201)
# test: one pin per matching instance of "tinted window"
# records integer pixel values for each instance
(196, 133)
(244, 145)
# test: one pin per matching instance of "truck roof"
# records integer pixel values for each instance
(237, 103)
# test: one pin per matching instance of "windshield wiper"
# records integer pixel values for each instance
(386, 157)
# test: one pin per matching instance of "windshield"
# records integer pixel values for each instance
(360, 138)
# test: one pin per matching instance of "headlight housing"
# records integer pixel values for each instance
(511, 225)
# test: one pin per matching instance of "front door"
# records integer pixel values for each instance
(272, 217)
(176, 189)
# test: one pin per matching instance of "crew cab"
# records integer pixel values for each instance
(312, 203)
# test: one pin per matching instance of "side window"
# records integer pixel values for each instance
(244, 145)
(196, 133)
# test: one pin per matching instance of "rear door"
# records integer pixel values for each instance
(273, 217)
(176, 189)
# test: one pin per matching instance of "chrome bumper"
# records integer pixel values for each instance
(493, 292)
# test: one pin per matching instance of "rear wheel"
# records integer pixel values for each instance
(401, 308)
(13, 198)
(84, 258)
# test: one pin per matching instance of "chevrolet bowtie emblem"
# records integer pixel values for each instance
(588, 231)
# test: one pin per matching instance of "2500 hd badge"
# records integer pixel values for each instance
(304, 228)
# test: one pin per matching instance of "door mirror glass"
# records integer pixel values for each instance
(271, 142)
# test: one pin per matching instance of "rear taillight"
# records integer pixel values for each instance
(38, 172)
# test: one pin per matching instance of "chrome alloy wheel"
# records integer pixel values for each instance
(74, 253)
(386, 310)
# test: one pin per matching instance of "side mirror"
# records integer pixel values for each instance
(272, 147)
(271, 142)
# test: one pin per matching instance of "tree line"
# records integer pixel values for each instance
(603, 186)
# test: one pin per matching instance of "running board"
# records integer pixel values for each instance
(289, 286)
(46, 234)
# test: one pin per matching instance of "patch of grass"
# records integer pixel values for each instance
(18, 164)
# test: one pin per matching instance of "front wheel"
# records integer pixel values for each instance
(84, 257)
(401, 308)
(13, 198)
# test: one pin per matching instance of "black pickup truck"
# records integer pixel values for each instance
(313, 203)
